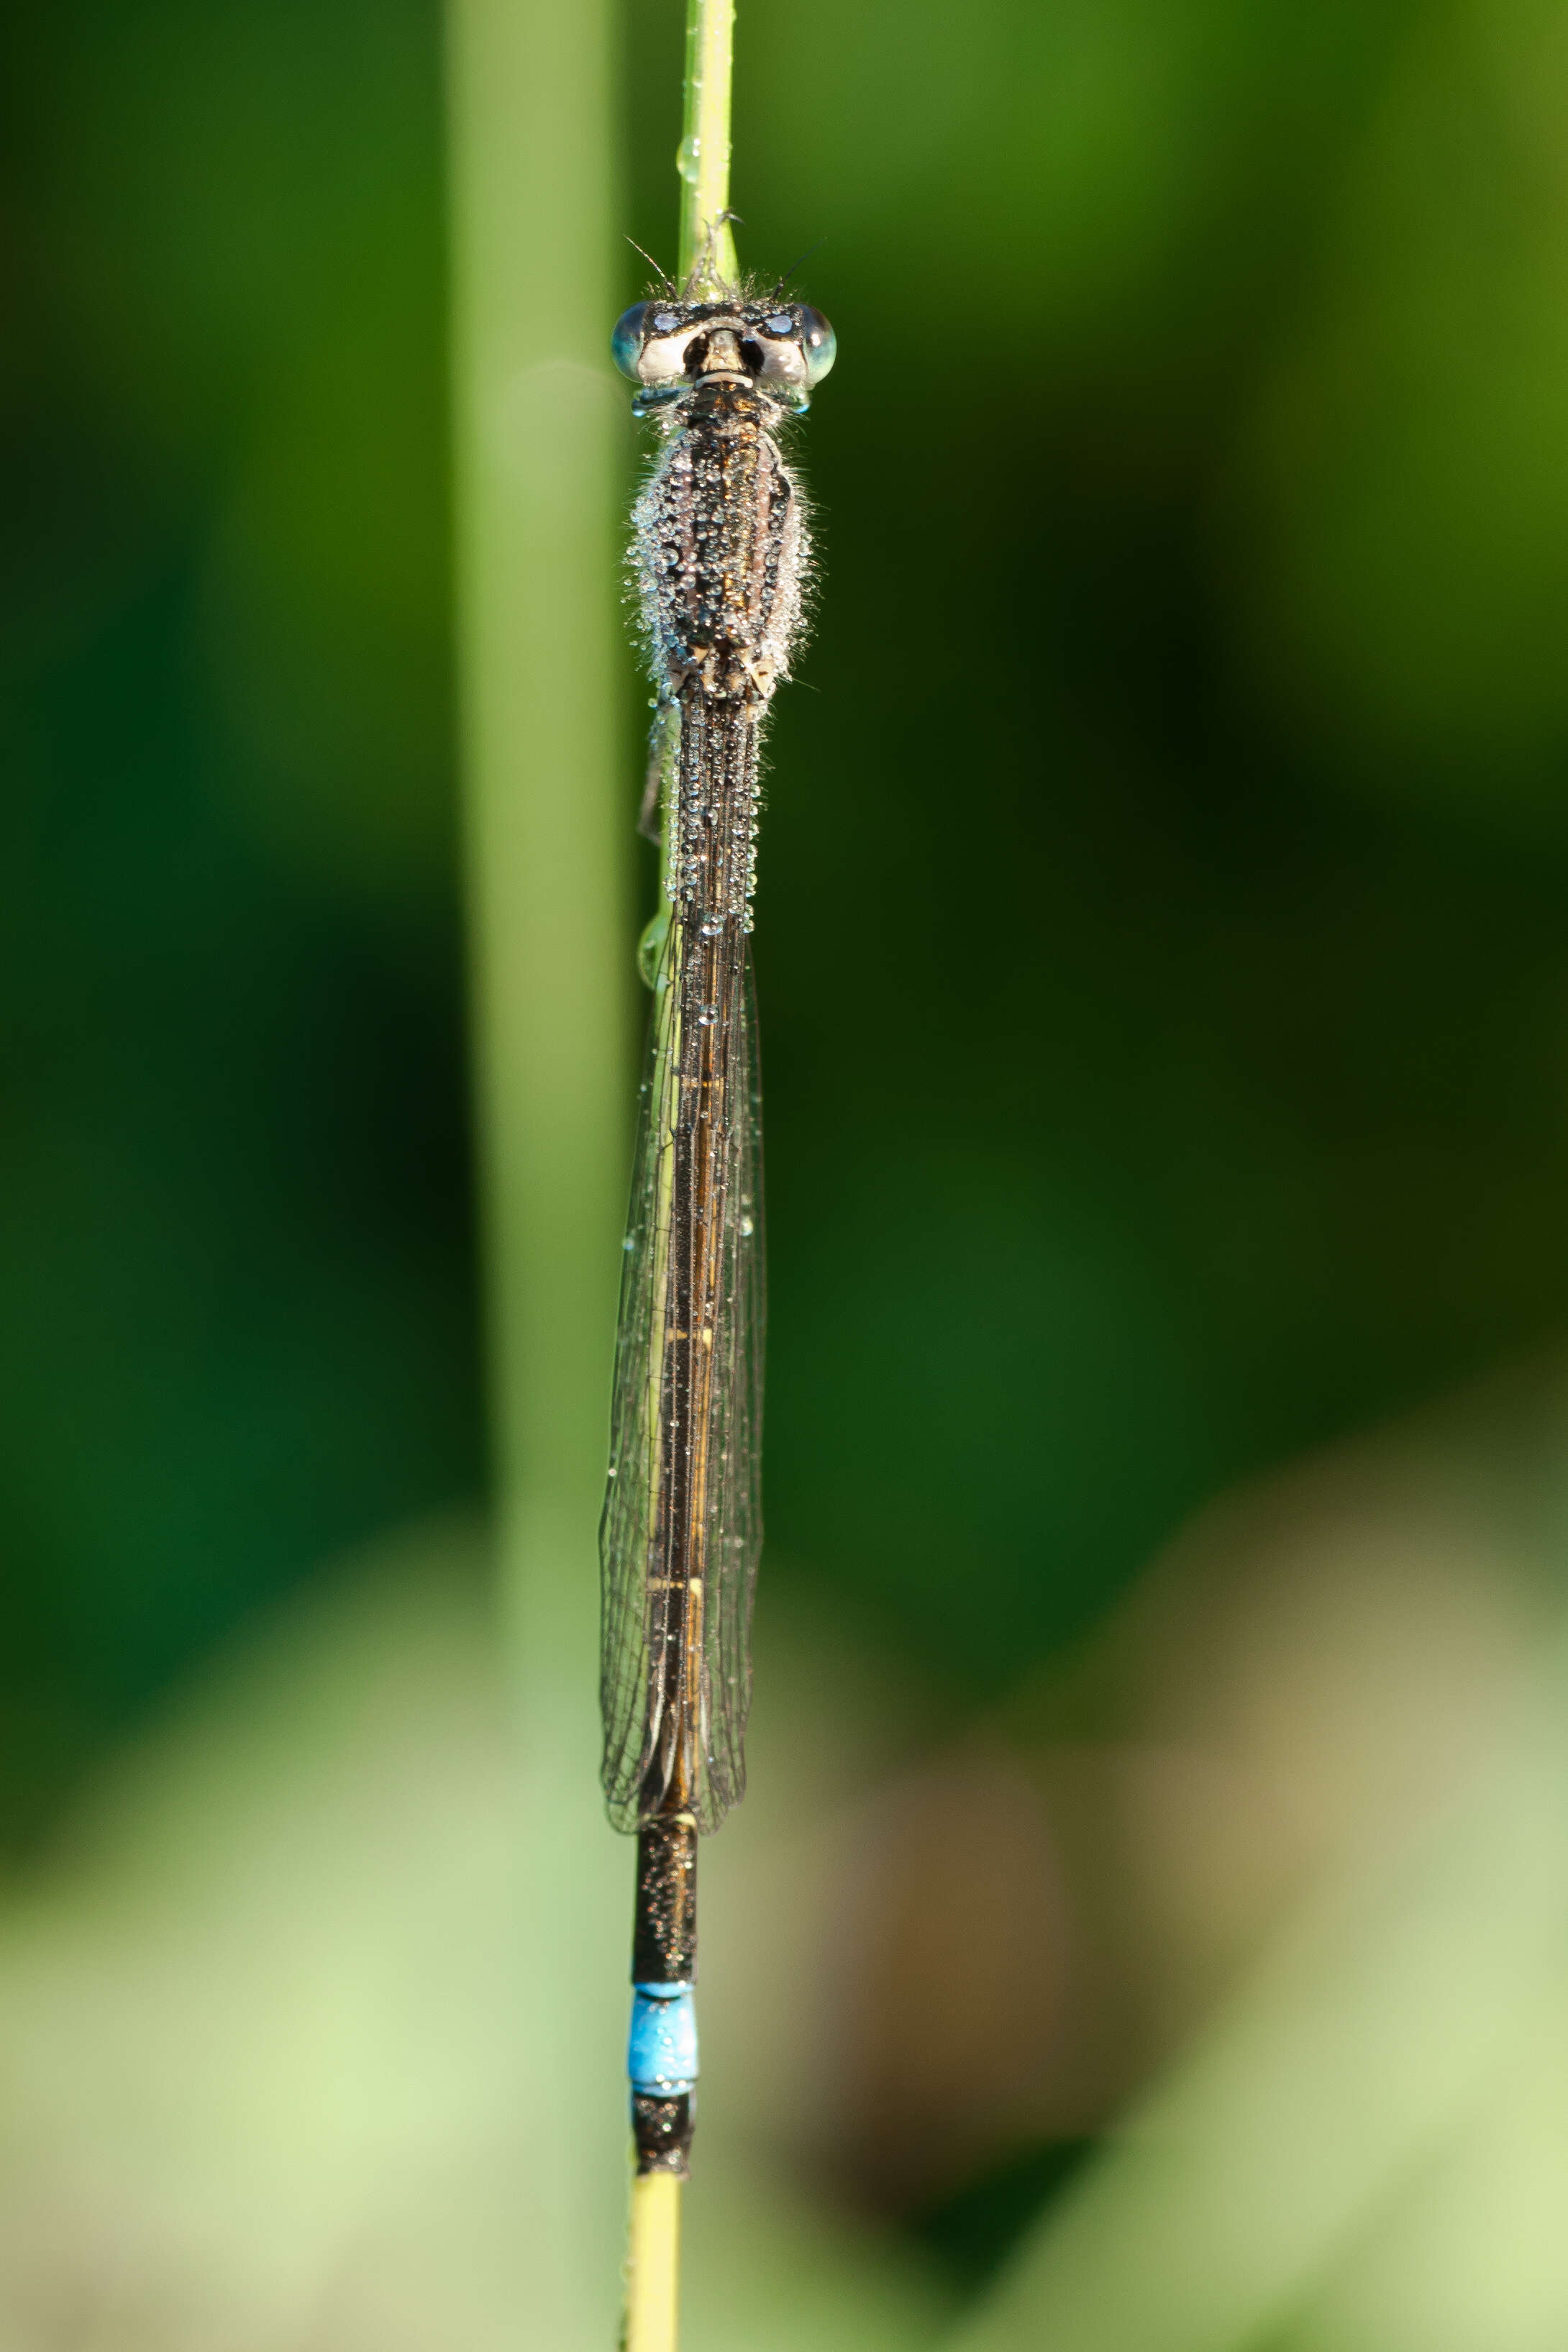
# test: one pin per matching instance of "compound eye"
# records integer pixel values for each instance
(626, 338)
(819, 343)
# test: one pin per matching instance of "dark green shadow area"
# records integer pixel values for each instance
(973, 2233)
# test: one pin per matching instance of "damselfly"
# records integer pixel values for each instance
(719, 568)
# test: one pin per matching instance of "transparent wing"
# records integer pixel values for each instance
(682, 1528)
(630, 1520)
(736, 1533)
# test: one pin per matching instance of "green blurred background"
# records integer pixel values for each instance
(1162, 943)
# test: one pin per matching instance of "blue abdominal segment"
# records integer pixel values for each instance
(661, 2051)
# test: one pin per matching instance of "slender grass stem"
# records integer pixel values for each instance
(653, 2264)
(706, 263)
(707, 247)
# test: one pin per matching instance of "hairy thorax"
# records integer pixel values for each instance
(721, 549)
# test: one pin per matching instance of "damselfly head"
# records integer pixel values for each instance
(785, 348)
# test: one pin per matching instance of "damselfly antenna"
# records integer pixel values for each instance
(777, 294)
(664, 278)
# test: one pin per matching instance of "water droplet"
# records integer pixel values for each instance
(630, 1242)
(650, 947)
(686, 156)
(706, 1015)
(711, 926)
(748, 1227)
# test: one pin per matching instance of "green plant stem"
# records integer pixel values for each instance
(538, 428)
(539, 437)
(707, 253)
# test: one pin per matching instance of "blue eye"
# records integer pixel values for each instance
(819, 343)
(625, 341)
